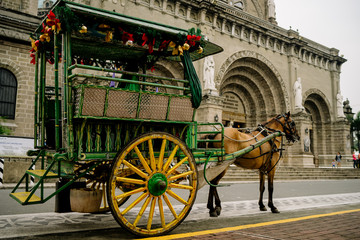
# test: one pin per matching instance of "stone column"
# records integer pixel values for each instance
(299, 153)
(210, 109)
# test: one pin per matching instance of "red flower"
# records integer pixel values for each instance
(151, 45)
(51, 60)
(192, 39)
(33, 58)
(126, 36)
(145, 39)
(164, 45)
(53, 22)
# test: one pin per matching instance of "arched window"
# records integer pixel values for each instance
(8, 89)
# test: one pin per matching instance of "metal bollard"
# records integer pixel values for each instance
(32, 178)
(1, 171)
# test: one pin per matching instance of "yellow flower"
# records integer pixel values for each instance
(200, 50)
(109, 36)
(186, 47)
(45, 37)
(104, 26)
(172, 44)
(180, 50)
(175, 51)
(83, 29)
(56, 28)
(33, 45)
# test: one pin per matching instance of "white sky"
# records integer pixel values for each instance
(332, 23)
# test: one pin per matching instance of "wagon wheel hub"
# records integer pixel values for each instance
(157, 184)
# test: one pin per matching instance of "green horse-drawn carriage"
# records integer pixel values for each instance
(102, 118)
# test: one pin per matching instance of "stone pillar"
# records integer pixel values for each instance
(299, 154)
(210, 109)
(341, 141)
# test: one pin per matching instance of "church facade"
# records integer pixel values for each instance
(263, 71)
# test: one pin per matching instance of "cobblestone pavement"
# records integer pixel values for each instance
(334, 227)
(22, 225)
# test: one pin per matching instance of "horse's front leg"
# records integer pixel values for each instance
(262, 189)
(210, 203)
(271, 190)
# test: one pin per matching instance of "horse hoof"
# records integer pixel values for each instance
(263, 209)
(218, 210)
(213, 214)
(275, 210)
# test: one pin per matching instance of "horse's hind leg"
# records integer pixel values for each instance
(262, 189)
(271, 190)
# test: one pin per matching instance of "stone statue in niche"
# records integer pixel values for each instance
(306, 144)
(271, 9)
(298, 95)
(339, 105)
(209, 75)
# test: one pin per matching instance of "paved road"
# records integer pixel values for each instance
(294, 199)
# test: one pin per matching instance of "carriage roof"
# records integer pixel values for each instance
(92, 45)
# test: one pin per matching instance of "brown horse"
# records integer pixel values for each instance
(263, 158)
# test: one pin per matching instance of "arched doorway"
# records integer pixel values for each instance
(253, 84)
(317, 129)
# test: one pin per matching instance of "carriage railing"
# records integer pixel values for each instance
(140, 96)
(139, 75)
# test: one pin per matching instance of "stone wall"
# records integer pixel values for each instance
(259, 64)
(25, 6)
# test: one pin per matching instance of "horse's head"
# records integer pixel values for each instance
(289, 127)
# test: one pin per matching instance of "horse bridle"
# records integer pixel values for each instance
(288, 126)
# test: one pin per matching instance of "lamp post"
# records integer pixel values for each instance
(350, 117)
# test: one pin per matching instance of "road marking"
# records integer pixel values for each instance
(228, 229)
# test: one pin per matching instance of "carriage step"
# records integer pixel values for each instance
(41, 173)
(22, 196)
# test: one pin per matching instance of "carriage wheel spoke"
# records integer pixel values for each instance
(142, 160)
(126, 194)
(161, 209)
(151, 213)
(133, 204)
(152, 157)
(161, 155)
(177, 197)
(187, 187)
(135, 169)
(167, 201)
(176, 166)
(171, 157)
(130, 180)
(180, 175)
(142, 210)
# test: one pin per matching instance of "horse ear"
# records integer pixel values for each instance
(288, 114)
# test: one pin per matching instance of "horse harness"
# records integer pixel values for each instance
(265, 131)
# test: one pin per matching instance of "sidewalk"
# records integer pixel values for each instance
(22, 225)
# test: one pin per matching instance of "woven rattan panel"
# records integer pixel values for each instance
(122, 104)
(94, 102)
(180, 109)
(153, 106)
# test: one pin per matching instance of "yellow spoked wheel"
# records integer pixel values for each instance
(158, 172)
